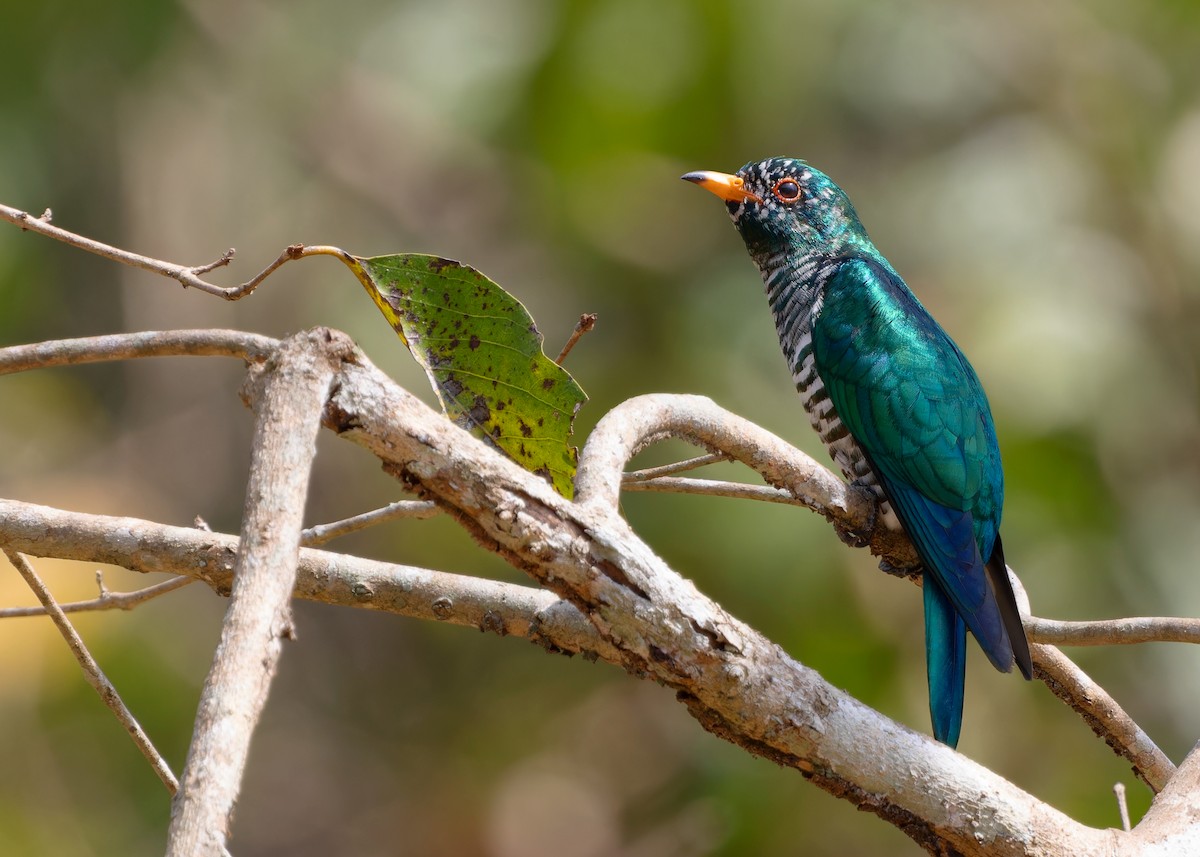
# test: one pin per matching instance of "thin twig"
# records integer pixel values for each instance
(91, 670)
(1060, 632)
(1122, 805)
(106, 601)
(716, 488)
(586, 322)
(648, 473)
(1108, 632)
(187, 276)
(322, 533)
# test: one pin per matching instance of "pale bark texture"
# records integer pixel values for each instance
(603, 592)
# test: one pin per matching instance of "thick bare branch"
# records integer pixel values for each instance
(1169, 827)
(663, 628)
(736, 683)
(288, 397)
(329, 578)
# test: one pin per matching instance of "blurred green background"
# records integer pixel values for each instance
(1032, 169)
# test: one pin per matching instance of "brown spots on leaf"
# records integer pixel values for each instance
(480, 412)
(452, 387)
(498, 388)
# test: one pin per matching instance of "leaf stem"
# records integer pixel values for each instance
(586, 323)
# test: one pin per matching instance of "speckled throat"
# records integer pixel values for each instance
(796, 291)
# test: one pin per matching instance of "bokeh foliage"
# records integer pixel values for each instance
(1030, 168)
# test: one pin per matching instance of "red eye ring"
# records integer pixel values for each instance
(787, 190)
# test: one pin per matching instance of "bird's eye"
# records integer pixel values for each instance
(786, 190)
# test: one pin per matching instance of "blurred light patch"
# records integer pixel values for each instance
(547, 810)
(462, 59)
(915, 63)
(1179, 184)
(631, 206)
(634, 55)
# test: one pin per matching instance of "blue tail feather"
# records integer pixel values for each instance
(945, 662)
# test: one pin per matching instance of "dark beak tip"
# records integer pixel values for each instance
(694, 177)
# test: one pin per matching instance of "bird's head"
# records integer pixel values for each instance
(784, 205)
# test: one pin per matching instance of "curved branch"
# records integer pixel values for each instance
(637, 423)
(735, 682)
(640, 421)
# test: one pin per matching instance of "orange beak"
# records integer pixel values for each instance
(729, 188)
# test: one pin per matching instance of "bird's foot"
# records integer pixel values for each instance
(858, 535)
(908, 572)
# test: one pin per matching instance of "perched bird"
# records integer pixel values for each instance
(896, 403)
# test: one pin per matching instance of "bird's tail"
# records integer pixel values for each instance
(945, 662)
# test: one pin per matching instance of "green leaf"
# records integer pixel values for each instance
(483, 355)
